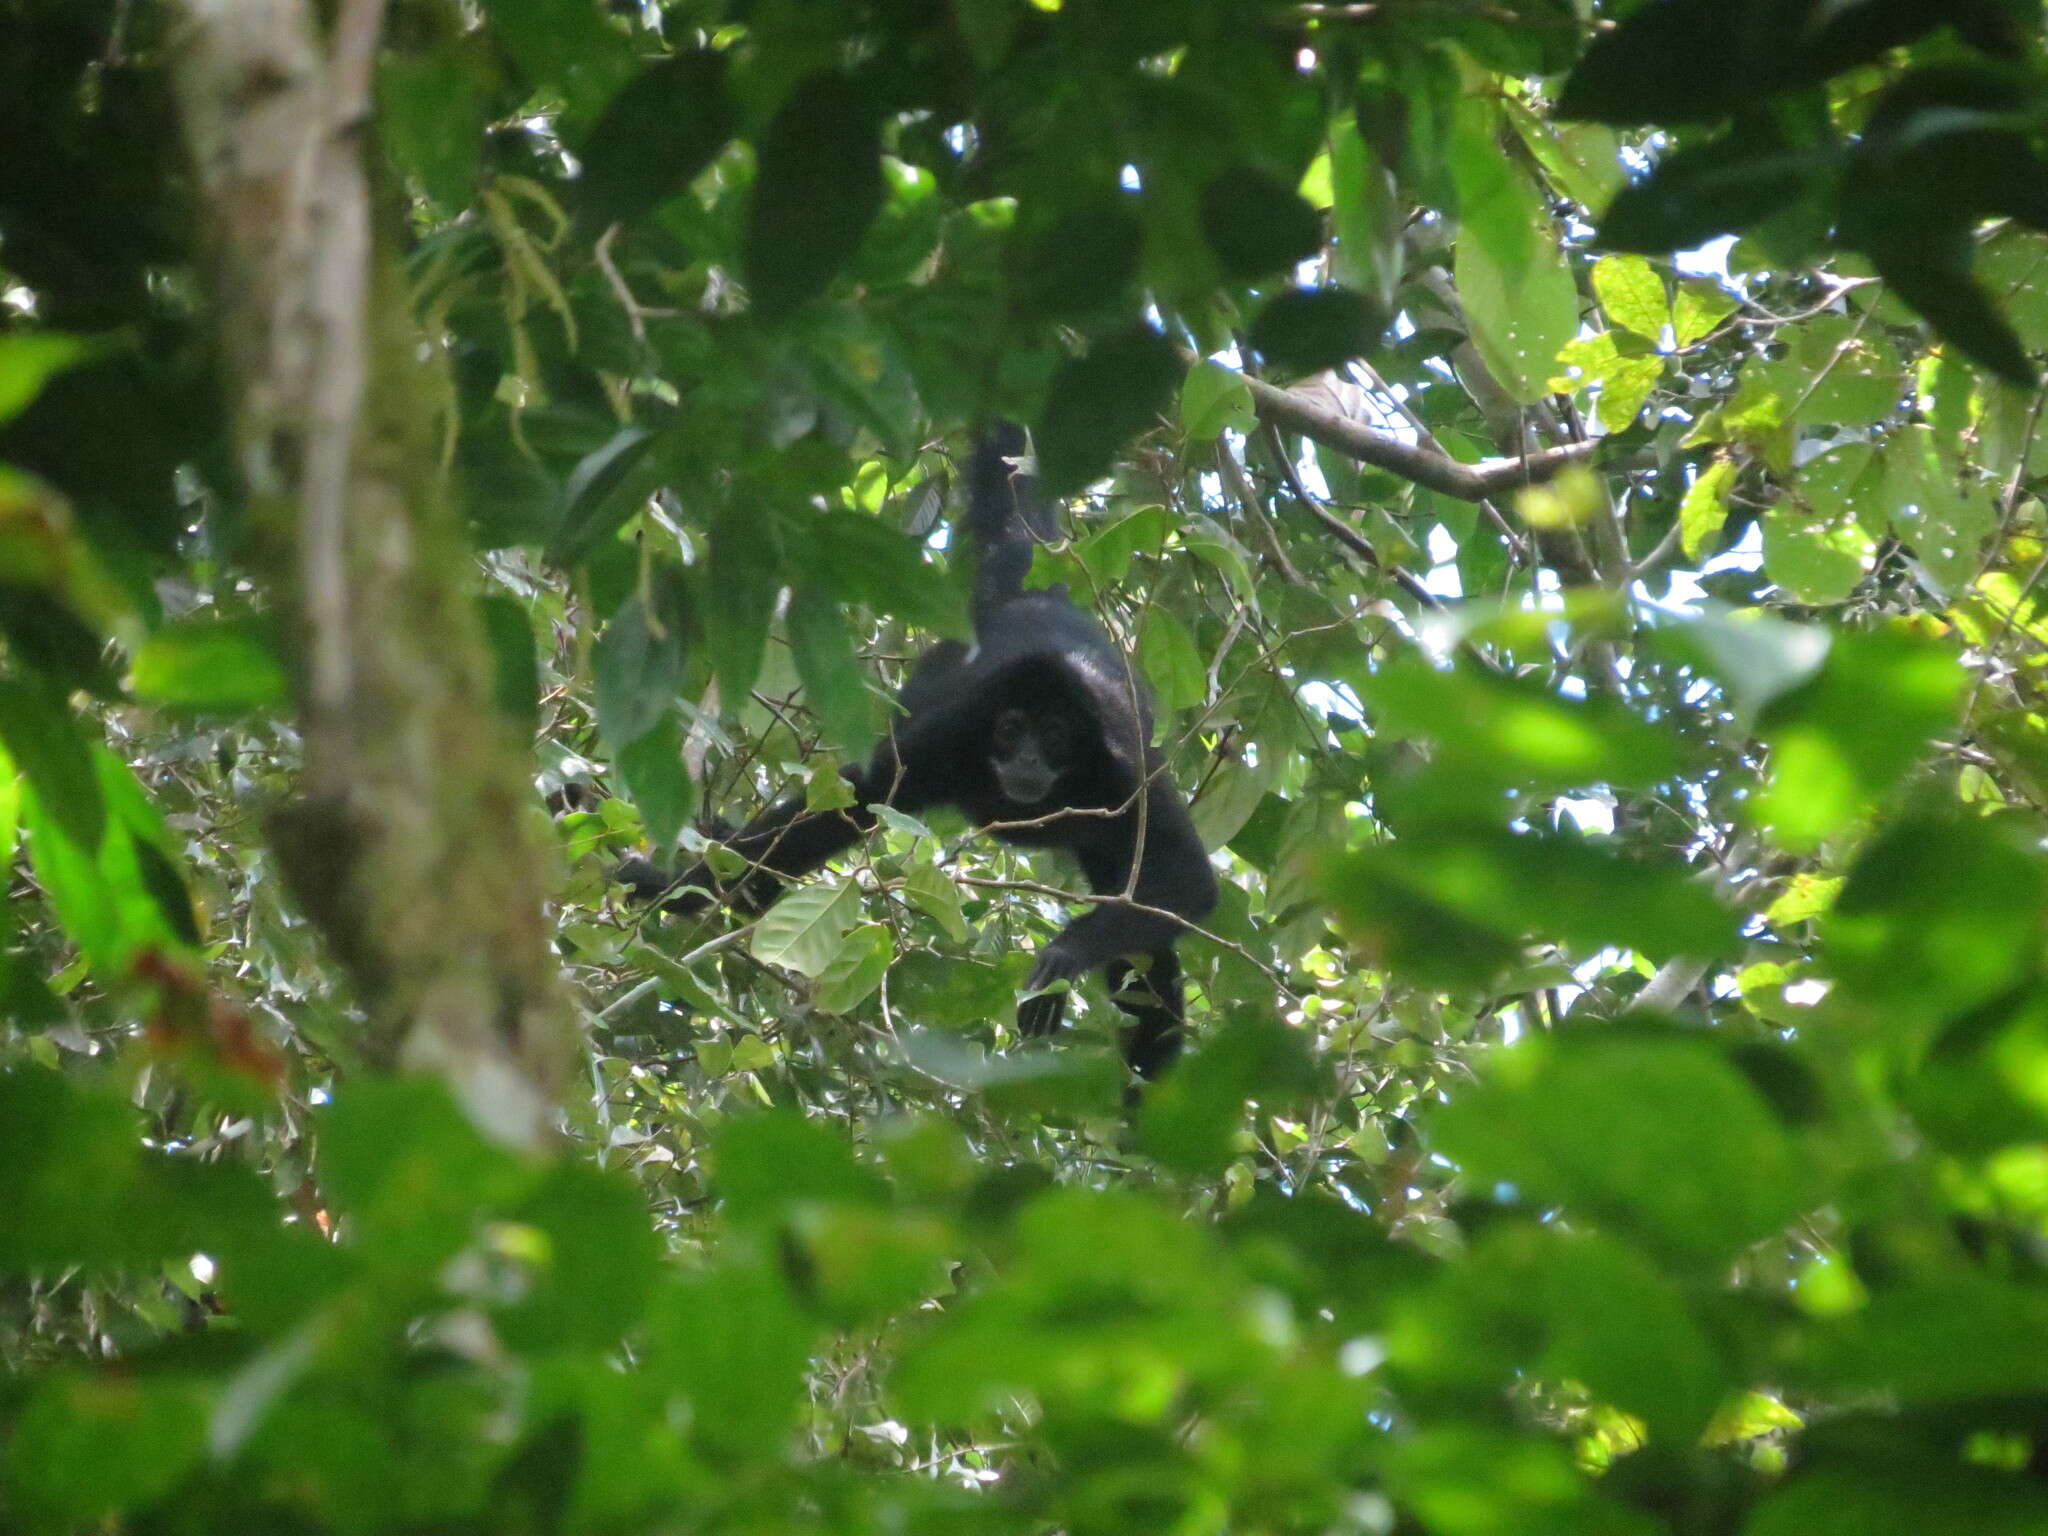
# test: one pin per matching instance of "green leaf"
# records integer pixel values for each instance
(220, 665)
(1701, 305)
(431, 119)
(1946, 521)
(770, 1166)
(1519, 728)
(1494, 890)
(1099, 402)
(1754, 656)
(1172, 665)
(563, 46)
(806, 930)
(817, 187)
(1229, 796)
(1632, 293)
(1939, 914)
(1652, 1135)
(1704, 510)
(515, 660)
(1190, 1118)
(46, 744)
(928, 889)
(1814, 545)
(1307, 330)
(1900, 1492)
(1215, 399)
(1624, 1330)
(1257, 224)
(733, 1343)
(1517, 290)
(29, 358)
(656, 136)
(822, 646)
(593, 1257)
(87, 1445)
(412, 1171)
(10, 806)
(1366, 217)
(856, 970)
(1849, 373)
(1846, 736)
(1627, 388)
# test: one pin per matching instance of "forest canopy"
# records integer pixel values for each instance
(1567, 476)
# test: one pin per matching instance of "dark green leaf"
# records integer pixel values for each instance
(656, 136)
(652, 772)
(1941, 288)
(411, 1171)
(833, 686)
(46, 635)
(565, 47)
(1518, 728)
(1081, 263)
(29, 358)
(88, 1445)
(165, 883)
(817, 187)
(432, 120)
(1706, 190)
(1099, 402)
(865, 561)
(735, 1345)
(1673, 61)
(639, 660)
(1257, 224)
(1307, 330)
(607, 487)
(739, 599)
(1491, 889)
(515, 660)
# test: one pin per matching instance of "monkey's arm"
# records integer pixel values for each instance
(782, 843)
(1174, 878)
(788, 840)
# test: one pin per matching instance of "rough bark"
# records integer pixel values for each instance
(411, 841)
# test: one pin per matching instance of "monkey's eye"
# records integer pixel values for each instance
(1009, 729)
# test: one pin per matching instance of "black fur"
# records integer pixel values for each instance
(1034, 651)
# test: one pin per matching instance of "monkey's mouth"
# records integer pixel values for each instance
(1025, 784)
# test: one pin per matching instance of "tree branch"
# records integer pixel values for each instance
(1428, 468)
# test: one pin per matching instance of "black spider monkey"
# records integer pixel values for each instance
(1041, 734)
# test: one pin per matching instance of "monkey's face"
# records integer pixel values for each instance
(1028, 752)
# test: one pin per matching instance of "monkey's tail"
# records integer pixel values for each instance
(1007, 511)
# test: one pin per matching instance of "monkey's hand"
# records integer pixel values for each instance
(1047, 986)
